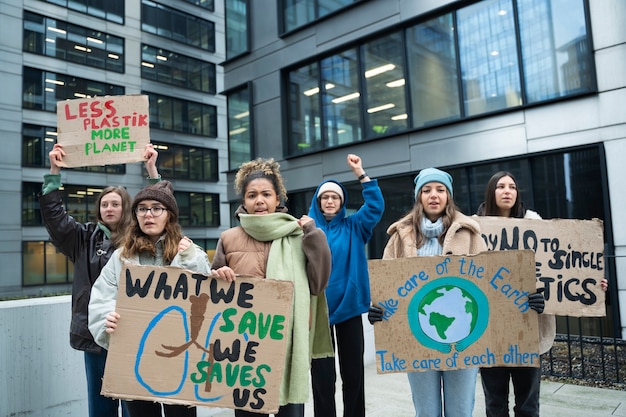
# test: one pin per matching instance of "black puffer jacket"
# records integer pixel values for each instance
(88, 248)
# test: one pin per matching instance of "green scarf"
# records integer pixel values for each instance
(310, 331)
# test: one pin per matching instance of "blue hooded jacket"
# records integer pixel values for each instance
(348, 291)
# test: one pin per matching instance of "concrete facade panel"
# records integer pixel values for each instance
(562, 118)
(609, 67)
(608, 14)
(471, 147)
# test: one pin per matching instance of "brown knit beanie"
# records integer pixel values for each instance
(162, 191)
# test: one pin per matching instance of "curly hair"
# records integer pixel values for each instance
(260, 168)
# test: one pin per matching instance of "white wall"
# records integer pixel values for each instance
(40, 374)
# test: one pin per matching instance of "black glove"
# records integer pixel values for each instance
(536, 301)
(374, 314)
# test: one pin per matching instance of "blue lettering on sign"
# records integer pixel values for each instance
(392, 364)
(515, 357)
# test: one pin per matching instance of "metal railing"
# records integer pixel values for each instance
(598, 359)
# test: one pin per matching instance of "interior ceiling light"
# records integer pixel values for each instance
(381, 108)
(396, 83)
(379, 70)
(311, 91)
(346, 98)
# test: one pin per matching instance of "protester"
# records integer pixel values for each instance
(88, 246)
(271, 243)
(502, 198)
(348, 291)
(153, 238)
(433, 227)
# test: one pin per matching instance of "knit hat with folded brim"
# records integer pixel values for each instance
(432, 175)
(330, 186)
(162, 191)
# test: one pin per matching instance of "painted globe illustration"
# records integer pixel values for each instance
(447, 313)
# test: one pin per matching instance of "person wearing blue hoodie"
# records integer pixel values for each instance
(348, 291)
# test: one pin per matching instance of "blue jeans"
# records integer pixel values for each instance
(454, 390)
(99, 406)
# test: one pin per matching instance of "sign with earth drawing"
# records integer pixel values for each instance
(188, 338)
(454, 312)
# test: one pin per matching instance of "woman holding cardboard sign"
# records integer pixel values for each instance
(88, 246)
(502, 199)
(271, 243)
(153, 238)
(433, 227)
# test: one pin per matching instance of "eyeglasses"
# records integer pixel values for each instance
(329, 196)
(155, 211)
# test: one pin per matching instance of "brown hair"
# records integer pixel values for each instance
(418, 214)
(117, 234)
(489, 206)
(136, 241)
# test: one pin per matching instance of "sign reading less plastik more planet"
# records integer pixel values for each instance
(103, 130)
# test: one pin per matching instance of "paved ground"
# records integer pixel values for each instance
(388, 395)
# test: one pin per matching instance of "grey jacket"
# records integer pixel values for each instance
(104, 290)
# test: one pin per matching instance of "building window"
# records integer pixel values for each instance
(176, 69)
(461, 64)
(58, 39)
(205, 4)
(488, 57)
(383, 66)
(80, 202)
(111, 10)
(178, 26)
(43, 264)
(42, 89)
(433, 75)
(209, 246)
(198, 209)
(341, 98)
(237, 23)
(557, 52)
(297, 13)
(187, 162)
(239, 134)
(37, 142)
(184, 116)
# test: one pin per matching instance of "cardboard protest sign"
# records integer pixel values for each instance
(103, 130)
(454, 312)
(187, 338)
(569, 256)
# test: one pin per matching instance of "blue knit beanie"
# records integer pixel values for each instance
(432, 175)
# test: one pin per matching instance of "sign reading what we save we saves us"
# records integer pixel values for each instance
(103, 130)
(189, 338)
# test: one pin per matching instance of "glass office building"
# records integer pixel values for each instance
(58, 49)
(534, 87)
